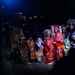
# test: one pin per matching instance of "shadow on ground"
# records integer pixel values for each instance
(65, 66)
(31, 69)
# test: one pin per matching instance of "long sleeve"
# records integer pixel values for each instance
(52, 29)
(60, 38)
(60, 29)
(47, 45)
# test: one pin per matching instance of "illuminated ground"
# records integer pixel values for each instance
(11, 68)
(8, 68)
(64, 66)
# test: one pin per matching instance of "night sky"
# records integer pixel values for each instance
(58, 9)
(45, 7)
(49, 7)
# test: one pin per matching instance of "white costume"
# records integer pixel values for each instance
(67, 45)
(39, 52)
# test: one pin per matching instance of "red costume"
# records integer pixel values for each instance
(58, 41)
(49, 49)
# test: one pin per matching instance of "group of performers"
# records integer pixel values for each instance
(55, 45)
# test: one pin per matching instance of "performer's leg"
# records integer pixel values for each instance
(57, 54)
(39, 56)
(60, 53)
(29, 55)
(66, 53)
(49, 57)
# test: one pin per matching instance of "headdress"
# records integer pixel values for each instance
(47, 32)
(56, 27)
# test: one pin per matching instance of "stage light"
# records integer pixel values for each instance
(10, 2)
(24, 17)
(20, 13)
(35, 17)
(30, 17)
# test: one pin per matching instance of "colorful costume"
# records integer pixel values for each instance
(14, 45)
(39, 49)
(49, 47)
(72, 36)
(67, 44)
(30, 46)
(58, 41)
(72, 39)
(21, 47)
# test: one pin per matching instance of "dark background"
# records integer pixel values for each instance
(55, 11)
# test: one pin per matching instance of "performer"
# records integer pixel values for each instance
(58, 41)
(39, 48)
(21, 46)
(72, 35)
(49, 47)
(30, 46)
(14, 45)
(67, 44)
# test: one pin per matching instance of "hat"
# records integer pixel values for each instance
(48, 32)
(63, 27)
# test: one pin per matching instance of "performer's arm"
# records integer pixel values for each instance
(28, 44)
(60, 39)
(46, 49)
(60, 29)
(52, 29)
(47, 45)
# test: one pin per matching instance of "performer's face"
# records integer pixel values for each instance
(71, 26)
(64, 30)
(56, 30)
(48, 35)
